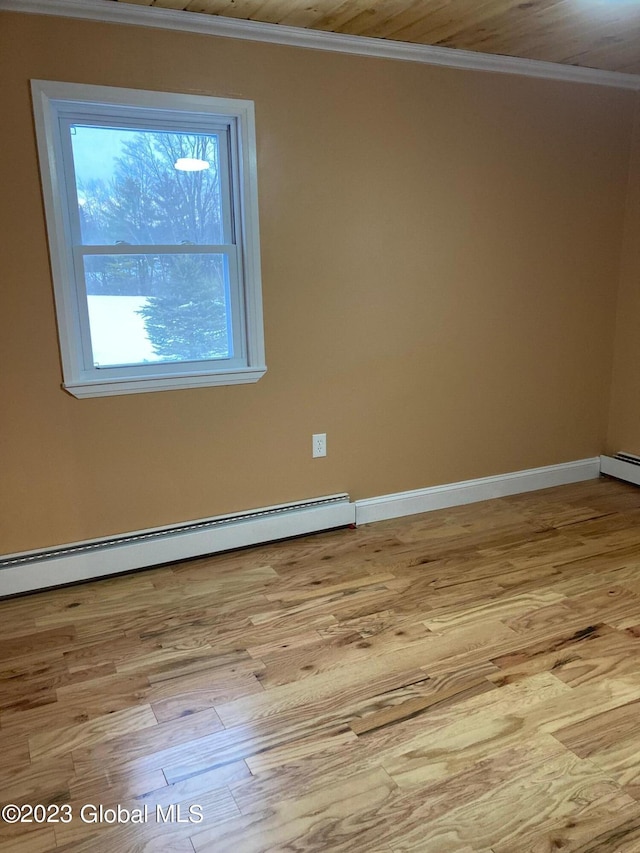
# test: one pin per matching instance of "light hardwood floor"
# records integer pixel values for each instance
(466, 680)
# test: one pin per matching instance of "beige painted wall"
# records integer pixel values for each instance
(440, 257)
(624, 424)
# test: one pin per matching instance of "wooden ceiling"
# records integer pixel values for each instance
(601, 34)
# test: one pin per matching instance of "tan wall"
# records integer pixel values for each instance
(624, 424)
(440, 254)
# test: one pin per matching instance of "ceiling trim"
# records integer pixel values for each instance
(216, 25)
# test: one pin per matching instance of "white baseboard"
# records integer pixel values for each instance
(29, 571)
(470, 491)
(620, 469)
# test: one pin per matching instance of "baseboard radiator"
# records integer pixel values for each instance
(80, 561)
(33, 570)
(623, 466)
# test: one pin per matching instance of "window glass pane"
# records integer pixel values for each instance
(158, 308)
(147, 187)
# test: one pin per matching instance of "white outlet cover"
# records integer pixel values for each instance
(319, 445)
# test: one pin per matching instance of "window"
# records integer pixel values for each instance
(152, 216)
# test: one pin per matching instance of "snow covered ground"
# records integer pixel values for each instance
(118, 335)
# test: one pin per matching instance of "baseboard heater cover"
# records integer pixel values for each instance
(622, 466)
(33, 570)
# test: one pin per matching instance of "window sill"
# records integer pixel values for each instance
(114, 387)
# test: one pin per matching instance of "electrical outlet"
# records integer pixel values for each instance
(319, 444)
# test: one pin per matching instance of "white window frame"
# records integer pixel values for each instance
(54, 104)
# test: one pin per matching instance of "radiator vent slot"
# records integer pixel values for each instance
(628, 457)
(159, 534)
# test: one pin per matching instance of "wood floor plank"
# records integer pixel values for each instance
(329, 653)
(258, 736)
(104, 785)
(79, 703)
(99, 842)
(553, 654)
(600, 731)
(623, 837)
(217, 807)
(36, 641)
(296, 641)
(188, 790)
(614, 655)
(322, 591)
(297, 749)
(133, 745)
(371, 672)
(188, 695)
(618, 606)
(47, 744)
(552, 793)
(307, 816)
(43, 840)
(503, 609)
(433, 692)
(616, 756)
(450, 742)
(44, 781)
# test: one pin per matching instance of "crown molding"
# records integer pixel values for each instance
(152, 16)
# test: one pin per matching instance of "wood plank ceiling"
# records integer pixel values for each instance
(601, 34)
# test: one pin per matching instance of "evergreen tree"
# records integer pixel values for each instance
(186, 318)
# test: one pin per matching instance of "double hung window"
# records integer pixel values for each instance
(151, 206)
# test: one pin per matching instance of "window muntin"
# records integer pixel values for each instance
(153, 214)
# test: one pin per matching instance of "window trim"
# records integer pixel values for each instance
(78, 379)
